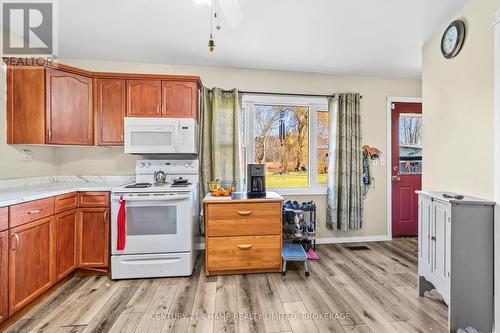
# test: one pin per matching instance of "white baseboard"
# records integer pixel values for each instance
(355, 239)
(334, 240)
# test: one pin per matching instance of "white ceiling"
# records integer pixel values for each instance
(357, 37)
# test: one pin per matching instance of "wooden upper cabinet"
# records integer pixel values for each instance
(110, 110)
(179, 99)
(4, 275)
(93, 233)
(68, 108)
(66, 249)
(25, 105)
(143, 98)
(31, 261)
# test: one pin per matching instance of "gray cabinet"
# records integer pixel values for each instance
(455, 257)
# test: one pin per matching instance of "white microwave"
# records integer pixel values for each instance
(161, 136)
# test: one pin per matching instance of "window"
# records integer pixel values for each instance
(410, 143)
(290, 136)
(322, 146)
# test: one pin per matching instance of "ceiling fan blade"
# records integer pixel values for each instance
(232, 12)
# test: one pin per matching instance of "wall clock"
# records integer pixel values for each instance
(453, 39)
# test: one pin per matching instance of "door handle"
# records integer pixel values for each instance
(16, 236)
(104, 216)
(245, 213)
(244, 246)
(433, 238)
(396, 178)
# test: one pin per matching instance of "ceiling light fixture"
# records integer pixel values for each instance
(213, 16)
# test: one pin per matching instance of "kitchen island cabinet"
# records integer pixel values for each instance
(242, 235)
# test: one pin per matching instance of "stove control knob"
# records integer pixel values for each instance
(186, 165)
(142, 165)
(148, 164)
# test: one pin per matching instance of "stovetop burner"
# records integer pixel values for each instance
(139, 185)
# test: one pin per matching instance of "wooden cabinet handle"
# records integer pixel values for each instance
(16, 236)
(245, 213)
(104, 216)
(36, 211)
(244, 246)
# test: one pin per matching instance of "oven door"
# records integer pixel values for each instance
(155, 223)
(151, 136)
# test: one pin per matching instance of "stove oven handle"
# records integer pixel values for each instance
(156, 198)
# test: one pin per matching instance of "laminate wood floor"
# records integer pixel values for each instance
(372, 290)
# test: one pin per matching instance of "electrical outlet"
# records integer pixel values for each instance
(27, 155)
(382, 161)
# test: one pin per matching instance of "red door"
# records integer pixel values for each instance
(406, 167)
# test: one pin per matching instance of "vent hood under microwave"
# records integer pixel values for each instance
(161, 136)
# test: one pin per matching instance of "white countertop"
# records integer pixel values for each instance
(466, 200)
(269, 196)
(15, 195)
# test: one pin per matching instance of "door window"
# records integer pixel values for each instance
(410, 143)
(157, 220)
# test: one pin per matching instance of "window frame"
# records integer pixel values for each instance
(315, 105)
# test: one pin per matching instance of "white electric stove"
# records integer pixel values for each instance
(161, 220)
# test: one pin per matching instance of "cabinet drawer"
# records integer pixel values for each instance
(66, 202)
(30, 211)
(4, 218)
(249, 253)
(242, 219)
(94, 199)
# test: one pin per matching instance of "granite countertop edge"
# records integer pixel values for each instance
(13, 196)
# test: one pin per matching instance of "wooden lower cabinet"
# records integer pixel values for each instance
(66, 246)
(31, 261)
(243, 235)
(248, 253)
(93, 231)
(4, 275)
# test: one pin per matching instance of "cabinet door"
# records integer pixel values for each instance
(440, 240)
(69, 108)
(31, 261)
(143, 98)
(25, 105)
(93, 232)
(110, 104)
(65, 243)
(4, 275)
(179, 99)
(424, 237)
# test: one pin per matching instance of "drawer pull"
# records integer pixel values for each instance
(245, 246)
(245, 213)
(36, 211)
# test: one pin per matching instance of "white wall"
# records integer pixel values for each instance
(458, 108)
(374, 91)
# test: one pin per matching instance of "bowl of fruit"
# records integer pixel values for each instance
(221, 188)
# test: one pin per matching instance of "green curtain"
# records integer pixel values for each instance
(345, 172)
(219, 137)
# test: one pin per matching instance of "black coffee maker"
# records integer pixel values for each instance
(256, 180)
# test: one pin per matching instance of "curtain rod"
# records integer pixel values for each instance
(278, 93)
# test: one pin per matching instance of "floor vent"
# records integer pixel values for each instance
(358, 248)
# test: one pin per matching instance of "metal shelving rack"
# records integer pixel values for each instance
(309, 218)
